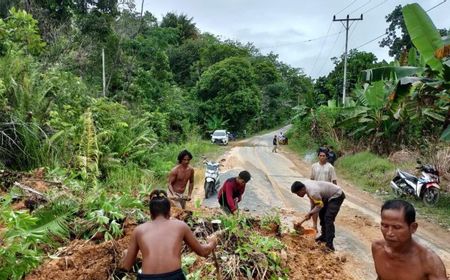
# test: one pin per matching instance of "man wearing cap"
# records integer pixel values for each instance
(231, 192)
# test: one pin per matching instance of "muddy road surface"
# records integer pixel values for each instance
(357, 223)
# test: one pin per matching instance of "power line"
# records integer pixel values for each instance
(368, 42)
(298, 42)
(374, 7)
(329, 53)
(346, 7)
(321, 48)
(361, 7)
(437, 5)
(371, 40)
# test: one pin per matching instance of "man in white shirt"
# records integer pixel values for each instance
(323, 170)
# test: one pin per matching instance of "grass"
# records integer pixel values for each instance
(373, 173)
(367, 171)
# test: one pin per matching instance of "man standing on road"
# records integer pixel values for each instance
(398, 256)
(161, 241)
(322, 171)
(326, 199)
(275, 144)
(231, 192)
(179, 176)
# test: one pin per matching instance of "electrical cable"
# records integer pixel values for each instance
(329, 53)
(346, 7)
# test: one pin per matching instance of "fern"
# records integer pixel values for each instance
(89, 153)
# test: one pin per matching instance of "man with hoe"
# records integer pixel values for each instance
(398, 256)
(179, 176)
(161, 241)
(231, 192)
(326, 199)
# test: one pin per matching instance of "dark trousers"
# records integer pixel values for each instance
(327, 215)
(174, 275)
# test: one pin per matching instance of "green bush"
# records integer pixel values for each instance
(367, 170)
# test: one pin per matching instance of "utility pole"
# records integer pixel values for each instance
(103, 72)
(347, 27)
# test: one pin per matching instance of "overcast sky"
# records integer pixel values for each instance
(302, 33)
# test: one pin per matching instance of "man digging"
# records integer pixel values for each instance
(160, 242)
(326, 199)
(179, 176)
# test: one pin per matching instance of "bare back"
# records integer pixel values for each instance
(419, 263)
(179, 177)
(160, 243)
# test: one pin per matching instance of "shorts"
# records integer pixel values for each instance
(174, 275)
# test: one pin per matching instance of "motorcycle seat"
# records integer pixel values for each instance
(409, 177)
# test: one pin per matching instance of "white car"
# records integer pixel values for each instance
(220, 136)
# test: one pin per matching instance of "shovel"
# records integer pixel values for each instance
(216, 223)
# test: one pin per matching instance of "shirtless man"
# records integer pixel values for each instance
(398, 256)
(178, 179)
(160, 242)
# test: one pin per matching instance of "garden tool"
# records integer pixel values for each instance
(216, 225)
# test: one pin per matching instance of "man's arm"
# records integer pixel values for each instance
(191, 184)
(200, 249)
(333, 175)
(435, 267)
(318, 204)
(131, 252)
(171, 180)
(312, 173)
(228, 188)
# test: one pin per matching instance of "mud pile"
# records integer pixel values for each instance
(246, 250)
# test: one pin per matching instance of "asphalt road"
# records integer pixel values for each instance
(357, 223)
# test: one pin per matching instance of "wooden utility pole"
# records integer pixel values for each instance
(103, 72)
(347, 27)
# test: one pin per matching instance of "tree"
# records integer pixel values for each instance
(356, 62)
(396, 42)
(185, 26)
(397, 37)
(228, 90)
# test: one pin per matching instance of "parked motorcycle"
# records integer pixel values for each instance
(426, 187)
(211, 178)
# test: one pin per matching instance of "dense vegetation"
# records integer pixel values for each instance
(167, 85)
(403, 104)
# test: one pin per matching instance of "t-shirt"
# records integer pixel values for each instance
(231, 189)
(320, 190)
(324, 172)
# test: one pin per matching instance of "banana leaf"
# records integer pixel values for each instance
(446, 135)
(412, 57)
(423, 33)
(390, 72)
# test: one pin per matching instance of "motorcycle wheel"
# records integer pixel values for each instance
(209, 189)
(430, 196)
(398, 193)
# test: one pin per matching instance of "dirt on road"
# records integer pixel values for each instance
(357, 224)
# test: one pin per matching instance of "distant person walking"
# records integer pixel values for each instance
(275, 144)
(179, 177)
